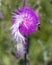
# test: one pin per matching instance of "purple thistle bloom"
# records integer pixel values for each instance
(25, 22)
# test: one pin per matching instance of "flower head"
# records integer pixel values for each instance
(25, 21)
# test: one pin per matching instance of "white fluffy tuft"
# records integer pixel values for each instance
(15, 28)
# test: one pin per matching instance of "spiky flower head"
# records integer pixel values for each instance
(25, 22)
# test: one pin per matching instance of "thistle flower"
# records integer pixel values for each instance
(25, 22)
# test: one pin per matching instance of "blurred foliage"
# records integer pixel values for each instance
(42, 36)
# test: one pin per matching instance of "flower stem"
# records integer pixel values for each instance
(27, 50)
(25, 59)
(24, 3)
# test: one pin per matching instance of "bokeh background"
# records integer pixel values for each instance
(40, 50)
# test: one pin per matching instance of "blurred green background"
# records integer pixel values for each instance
(40, 50)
